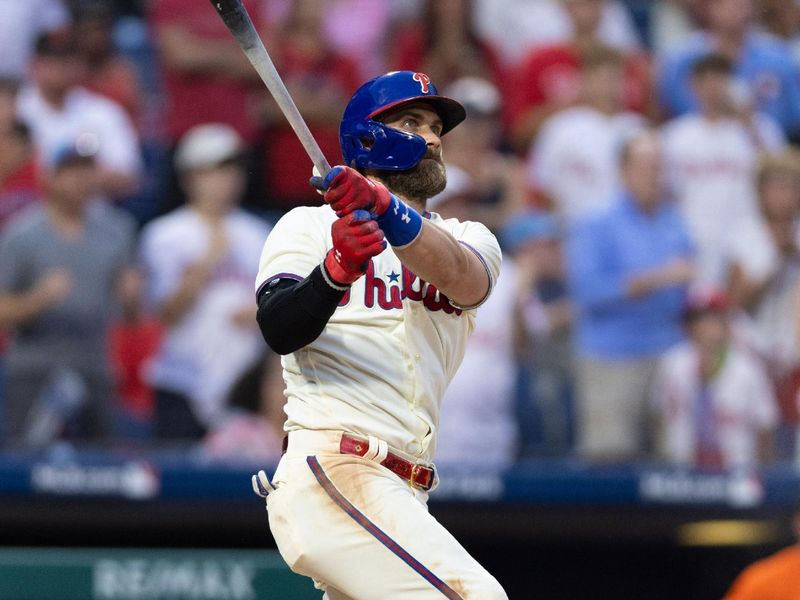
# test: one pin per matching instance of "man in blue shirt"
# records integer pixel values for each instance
(765, 73)
(628, 271)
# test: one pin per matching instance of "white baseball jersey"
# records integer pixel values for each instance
(711, 167)
(382, 363)
(189, 360)
(575, 159)
(87, 120)
(741, 396)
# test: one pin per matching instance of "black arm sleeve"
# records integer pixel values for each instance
(292, 314)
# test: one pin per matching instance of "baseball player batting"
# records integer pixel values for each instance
(370, 300)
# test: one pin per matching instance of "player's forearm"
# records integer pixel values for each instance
(438, 258)
(293, 314)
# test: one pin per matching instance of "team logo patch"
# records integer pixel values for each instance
(423, 80)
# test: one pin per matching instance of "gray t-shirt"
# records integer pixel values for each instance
(75, 329)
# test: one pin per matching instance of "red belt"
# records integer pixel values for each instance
(417, 475)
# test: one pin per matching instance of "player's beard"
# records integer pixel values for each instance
(424, 181)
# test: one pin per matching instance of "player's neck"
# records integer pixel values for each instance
(418, 204)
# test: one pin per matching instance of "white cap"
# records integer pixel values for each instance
(478, 95)
(207, 145)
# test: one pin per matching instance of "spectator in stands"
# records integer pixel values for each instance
(59, 112)
(66, 271)
(106, 72)
(477, 425)
(21, 24)
(574, 159)
(714, 402)
(781, 18)
(321, 82)
(765, 74)
(253, 429)
(543, 320)
(442, 43)
(770, 294)
(498, 183)
(515, 27)
(712, 158)
(207, 77)
(776, 577)
(628, 270)
(370, 18)
(19, 185)
(200, 262)
(548, 79)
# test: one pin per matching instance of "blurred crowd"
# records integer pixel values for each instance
(635, 159)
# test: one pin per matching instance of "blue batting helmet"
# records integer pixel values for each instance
(368, 144)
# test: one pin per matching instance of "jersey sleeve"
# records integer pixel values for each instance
(297, 244)
(483, 243)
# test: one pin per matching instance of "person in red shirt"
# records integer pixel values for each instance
(776, 577)
(442, 43)
(548, 80)
(320, 82)
(106, 73)
(206, 75)
(19, 184)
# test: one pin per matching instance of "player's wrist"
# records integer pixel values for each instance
(400, 223)
(335, 275)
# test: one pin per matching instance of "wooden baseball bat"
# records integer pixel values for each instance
(235, 16)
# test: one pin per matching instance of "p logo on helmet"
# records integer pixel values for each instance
(369, 144)
(424, 81)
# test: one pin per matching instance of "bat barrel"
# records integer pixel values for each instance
(236, 18)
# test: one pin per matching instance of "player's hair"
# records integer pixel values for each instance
(600, 55)
(787, 161)
(712, 64)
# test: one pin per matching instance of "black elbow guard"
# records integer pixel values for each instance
(293, 314)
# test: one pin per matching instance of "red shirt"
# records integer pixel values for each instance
(195, 98)
(551, 74)
(411, 50)
(19, 190)
(286, 164)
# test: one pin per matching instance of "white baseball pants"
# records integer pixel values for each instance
(362, 533)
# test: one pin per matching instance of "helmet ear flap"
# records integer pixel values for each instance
(372, 145)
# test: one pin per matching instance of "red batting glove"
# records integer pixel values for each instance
(356, 239)
(347, 190)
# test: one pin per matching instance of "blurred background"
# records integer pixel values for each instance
(625, 423)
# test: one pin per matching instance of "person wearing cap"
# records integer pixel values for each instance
(371, 300)
(199, 261)
(60, 112)
(714, 404)
(66, 273)
(544, 313)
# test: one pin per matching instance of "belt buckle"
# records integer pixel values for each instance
(415, 469)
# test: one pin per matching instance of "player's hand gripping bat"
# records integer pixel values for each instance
(235, 16)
